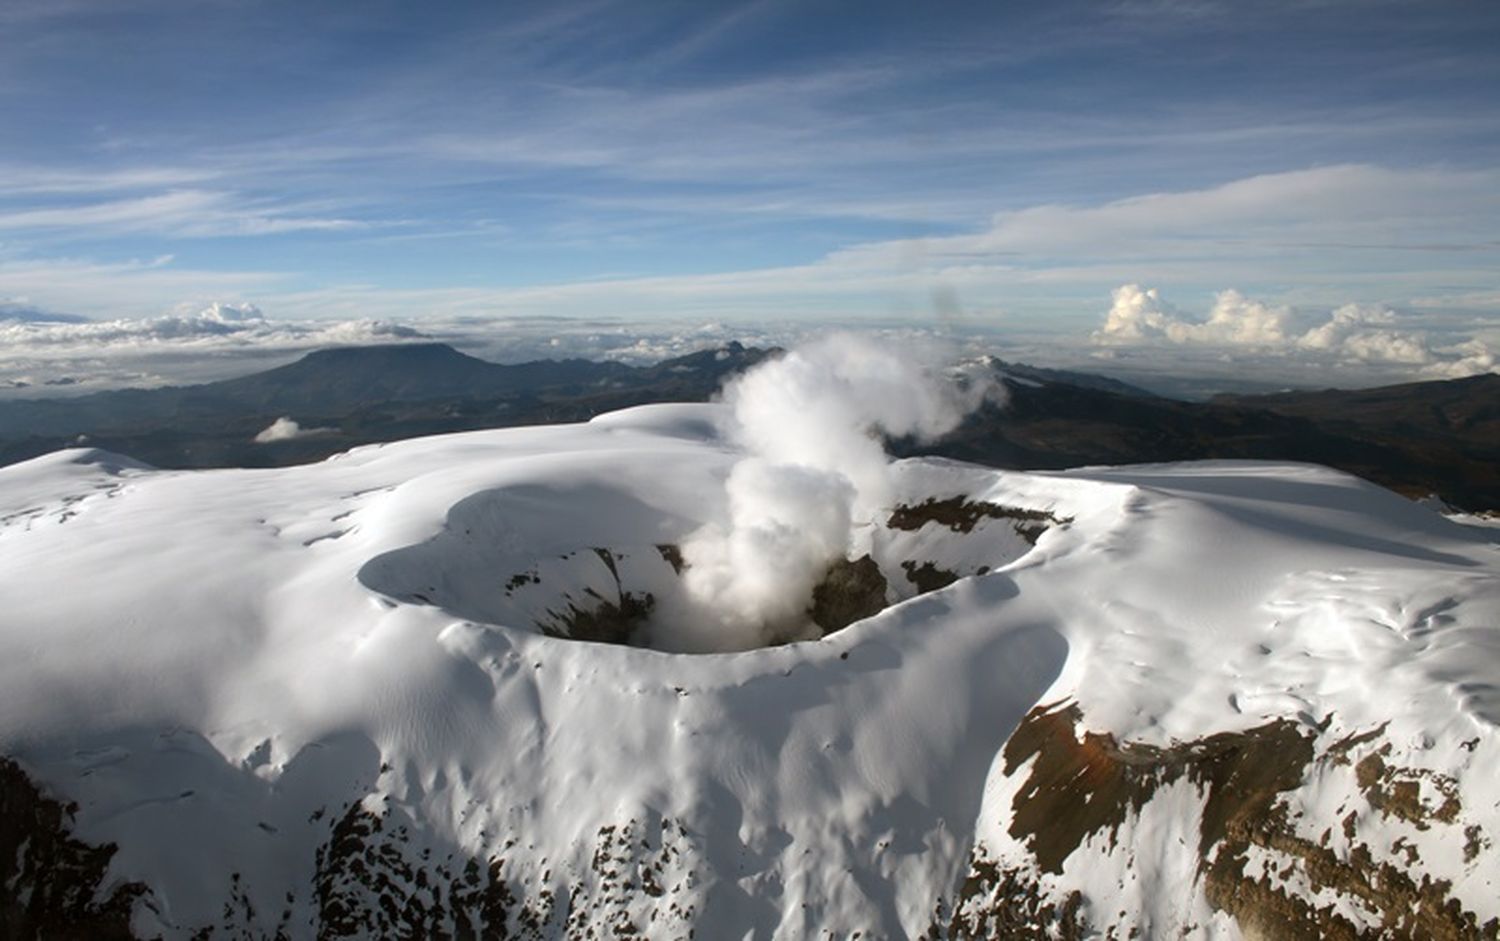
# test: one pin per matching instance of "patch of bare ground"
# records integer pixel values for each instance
(851, 591)
(672, 555)
(605, 621)
(927, 576)
(1397, 792)
(52, 885)
(961, 515)
(1081, 785)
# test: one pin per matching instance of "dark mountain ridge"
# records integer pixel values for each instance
(358, 395)
(349, 377)
(1438, 437)
(324, 381)
(1456, 407)
(1070, 377)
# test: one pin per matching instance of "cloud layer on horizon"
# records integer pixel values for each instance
(216, 326)
(1241, 342)
(1349, 334)
(45, 355)
(40, 356)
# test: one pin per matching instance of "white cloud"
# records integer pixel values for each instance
(226, 313)
(1136, 314)
(23, 179)
(1139, 315)
(1323, 234)
(1339, 209)
(1365, 333)
(119, 289)
(220, 340)
(1471, 358)
(176, 213)
(1351, 333)
(217, 324)
(223, 340)
(1235, 319)
(1344, 229)
(1342, 324)
(285, 429)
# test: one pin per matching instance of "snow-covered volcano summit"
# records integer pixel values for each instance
(360, 698)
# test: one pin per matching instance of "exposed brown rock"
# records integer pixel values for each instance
(672, 555)
(50, 883)
(927, 576)
(1397, 792)
(1006, 903)
(851, 591)
(962, 515)
(608, 622)
(1082, 784)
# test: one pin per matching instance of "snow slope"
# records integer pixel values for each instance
(323, 700)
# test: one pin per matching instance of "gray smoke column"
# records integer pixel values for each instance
(809, 424)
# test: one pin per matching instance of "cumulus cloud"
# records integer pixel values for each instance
(1238, 320)
(1351, 333)
(221, 312)
(1470, 358)
(1140, 315)
(1367, 334)
(286, 429)
(814, 473)
(1137, 314)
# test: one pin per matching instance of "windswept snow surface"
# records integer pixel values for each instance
(216, 664)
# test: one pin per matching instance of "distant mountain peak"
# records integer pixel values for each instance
(410, 352)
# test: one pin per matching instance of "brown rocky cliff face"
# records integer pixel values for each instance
(50, 883)
(1082, 791)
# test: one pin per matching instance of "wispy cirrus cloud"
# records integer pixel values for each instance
(135, 287)
(1360, 215)
(559, 144)
(30, 180)
(1350, 207)
(1386, 236)
(176, 213)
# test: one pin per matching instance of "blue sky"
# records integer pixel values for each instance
(1009, 163)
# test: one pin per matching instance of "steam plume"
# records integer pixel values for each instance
(814, 473)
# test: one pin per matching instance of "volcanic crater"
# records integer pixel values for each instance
(623, 582)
